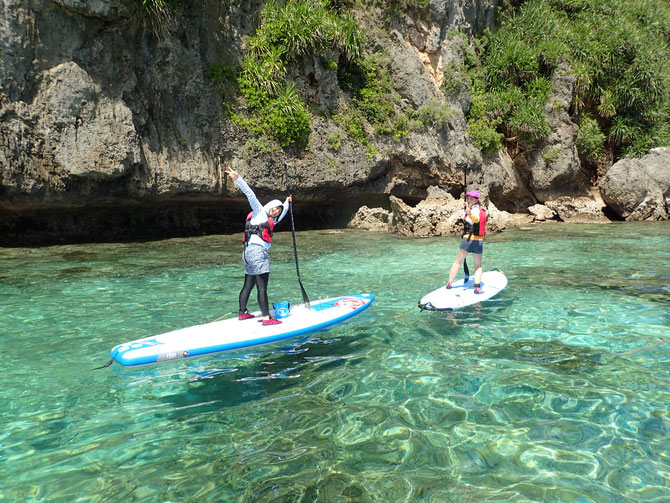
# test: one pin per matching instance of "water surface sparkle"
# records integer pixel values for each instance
(556, 390)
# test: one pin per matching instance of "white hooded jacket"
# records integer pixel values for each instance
(260, 213)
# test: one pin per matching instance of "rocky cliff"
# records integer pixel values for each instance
(110, 129)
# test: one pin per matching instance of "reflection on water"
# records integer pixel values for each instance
(556, 390)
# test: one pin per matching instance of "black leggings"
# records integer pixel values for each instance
(261, 282)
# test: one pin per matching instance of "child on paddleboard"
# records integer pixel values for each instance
(474, 224)
(258, 231)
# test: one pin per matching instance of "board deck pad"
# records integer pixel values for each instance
(461, 295)
(236, 334)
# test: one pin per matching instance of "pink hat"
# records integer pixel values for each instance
(473, 193)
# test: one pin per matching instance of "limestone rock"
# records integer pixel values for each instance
(639, 189)
(587, 209)
(101, 115)
(371, 219)
(499, 220)
(90, 134)
(503, 185)
(79, 139)
(435, 217)
(437, 195)
(440, 215)
(554, 166)
(541, 213)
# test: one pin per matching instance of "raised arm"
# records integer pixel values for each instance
(255, 204)
(289, 200)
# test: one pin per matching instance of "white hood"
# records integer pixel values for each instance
(273, 204)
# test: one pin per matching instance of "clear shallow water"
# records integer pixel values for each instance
(556, 390)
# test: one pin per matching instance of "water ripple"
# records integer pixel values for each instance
(556, 390)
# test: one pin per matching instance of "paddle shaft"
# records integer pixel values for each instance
(295, 247)
(466, 271)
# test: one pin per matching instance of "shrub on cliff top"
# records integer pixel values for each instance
(291, 30)
(288, 31)
(618, 49)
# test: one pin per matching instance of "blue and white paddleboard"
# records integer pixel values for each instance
(461, 295)
(235, 334)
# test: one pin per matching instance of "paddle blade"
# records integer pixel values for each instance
(305, 299)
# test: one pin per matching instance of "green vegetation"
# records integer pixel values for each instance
(335, 141)
(551, 154)
(590, 139)
(375, 101)
(453, 84)
(288, 31)
(391, 6)
(224, 76)
(354, 124)
(619, 50)
(370, 86)
(258, 146)
(436, 114)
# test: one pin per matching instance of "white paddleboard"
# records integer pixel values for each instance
(235, 334)
(461, 295)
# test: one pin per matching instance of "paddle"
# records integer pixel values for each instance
(295, 247)
(466, 271)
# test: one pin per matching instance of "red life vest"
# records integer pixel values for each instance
(263, 231)
(478, 229)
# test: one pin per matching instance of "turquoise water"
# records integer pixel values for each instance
(557, 390)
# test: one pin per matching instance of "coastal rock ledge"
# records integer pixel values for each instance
(112, 131)
(632, 189)
(437, 215)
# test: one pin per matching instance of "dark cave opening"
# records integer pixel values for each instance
(170, 219)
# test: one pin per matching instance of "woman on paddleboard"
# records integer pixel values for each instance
(257, 241)
(474, 223)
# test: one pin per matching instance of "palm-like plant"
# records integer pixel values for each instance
(347, 37)
(158, 15)
(619, 50)
(266, 73)
(289, 121)
(590, 138)
(623, 130)
(287, 100)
